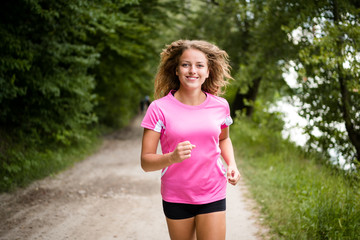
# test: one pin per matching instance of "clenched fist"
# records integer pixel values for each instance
(182, 152)
(233, 175)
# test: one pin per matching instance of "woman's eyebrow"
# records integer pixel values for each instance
(188, 61)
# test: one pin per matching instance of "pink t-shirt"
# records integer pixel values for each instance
(201, 178)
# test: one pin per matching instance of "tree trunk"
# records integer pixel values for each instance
(250, 97)
(353, 134)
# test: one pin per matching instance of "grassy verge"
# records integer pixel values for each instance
(300, 198)
(22, 165)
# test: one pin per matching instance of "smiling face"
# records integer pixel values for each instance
(193, 69)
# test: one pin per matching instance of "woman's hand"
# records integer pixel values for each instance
(233, 175)
(182, 152)
(152, 161)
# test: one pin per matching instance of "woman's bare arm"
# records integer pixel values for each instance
(227, 152)
(151, 161)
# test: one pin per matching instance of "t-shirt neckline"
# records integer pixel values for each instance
(201, 105)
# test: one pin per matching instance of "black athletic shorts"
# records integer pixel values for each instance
(183, 211)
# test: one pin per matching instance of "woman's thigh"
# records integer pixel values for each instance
(182, 229)
(211, 226)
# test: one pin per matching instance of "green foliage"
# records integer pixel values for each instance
(251, 33)
(122, 34)
(328, 67)
(45, 89)
(46, 97)
(66, 68)
(321, 37)
(299, 198)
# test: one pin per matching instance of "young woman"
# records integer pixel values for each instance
(192, 124)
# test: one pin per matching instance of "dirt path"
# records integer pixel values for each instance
(107, 196)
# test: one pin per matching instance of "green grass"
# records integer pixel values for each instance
(299, 197)
(21, 163)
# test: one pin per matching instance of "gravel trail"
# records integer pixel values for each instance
(108, 196)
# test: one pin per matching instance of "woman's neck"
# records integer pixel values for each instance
(193, 98)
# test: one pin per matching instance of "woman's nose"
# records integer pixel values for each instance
(192, 69)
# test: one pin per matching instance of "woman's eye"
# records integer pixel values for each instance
(188, 65)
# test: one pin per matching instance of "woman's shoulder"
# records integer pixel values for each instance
(161, 102)
(218, 99)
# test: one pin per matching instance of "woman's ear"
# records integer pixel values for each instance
(176, 71)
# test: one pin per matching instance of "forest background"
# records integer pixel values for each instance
(71, 71)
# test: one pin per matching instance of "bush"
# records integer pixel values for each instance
(23, 163)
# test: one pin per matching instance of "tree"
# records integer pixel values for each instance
(328, 66)
(250, 31)
(126, 35)
(258, 35)
(65, 64)
(45, 89)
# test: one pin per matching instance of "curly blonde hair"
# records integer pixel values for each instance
(218, 64)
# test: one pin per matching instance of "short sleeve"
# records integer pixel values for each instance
(153, 119)
(227, 117)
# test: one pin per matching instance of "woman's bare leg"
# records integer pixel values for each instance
(211, 226)
(183, 229)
